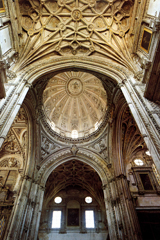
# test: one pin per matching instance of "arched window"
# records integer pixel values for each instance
(74, 134)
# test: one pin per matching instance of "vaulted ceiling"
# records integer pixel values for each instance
(75, 101)
(74, 175)
(76, 28)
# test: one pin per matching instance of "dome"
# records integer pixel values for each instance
(74, 103)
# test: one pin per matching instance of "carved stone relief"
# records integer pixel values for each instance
(11, 144)
(83, 27)
(14, 151)
(101, 146)
(74, 100)
(10, 162)
(47, 146)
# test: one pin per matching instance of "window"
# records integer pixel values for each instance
(89, 218)
(96, 125)
(58, 200)
(88, 199)
(53, 125)
(148, 153)
(74, 134)
(56, 219)
(138, 162)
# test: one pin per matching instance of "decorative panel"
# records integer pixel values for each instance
(76, 27)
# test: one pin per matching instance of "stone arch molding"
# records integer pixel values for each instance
(37, 71)
(64, 155)
(43, 72)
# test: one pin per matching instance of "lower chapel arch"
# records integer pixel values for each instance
(73, 180)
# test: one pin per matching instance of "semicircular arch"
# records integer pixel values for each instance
(62, 156)
(115, 72)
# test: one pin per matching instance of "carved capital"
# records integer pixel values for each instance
(121, 85)
(10, 74)
(111, 180)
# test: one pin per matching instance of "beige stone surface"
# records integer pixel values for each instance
(75, 101)
(152, 201)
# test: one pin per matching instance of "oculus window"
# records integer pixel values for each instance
(88, 199)
(58, 200)
(56, 219)
(138, 162)
(89, 219)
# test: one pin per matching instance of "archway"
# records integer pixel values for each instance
(93, 150)
(73, 181)
(119, 75)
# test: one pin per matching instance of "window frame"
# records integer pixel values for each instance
(93, 210)
(56, 228)
(145, 170)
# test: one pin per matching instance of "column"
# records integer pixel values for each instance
(19, 209)
(33, 233)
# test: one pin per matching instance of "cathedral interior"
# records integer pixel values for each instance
(79, 119)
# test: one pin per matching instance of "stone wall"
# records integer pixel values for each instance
(73, 236)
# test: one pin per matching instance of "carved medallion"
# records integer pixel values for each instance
(76, 15)
(74, 87)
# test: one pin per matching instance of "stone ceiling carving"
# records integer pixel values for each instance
(15, 146)
(73, 174)
(132, 140)
(76, 27)
(13, 154)
(74, 101)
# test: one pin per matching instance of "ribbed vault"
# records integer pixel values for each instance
(74, 174)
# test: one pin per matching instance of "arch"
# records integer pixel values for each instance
(125, 126)
(64, 155)
(44, 72)
(115, 72)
